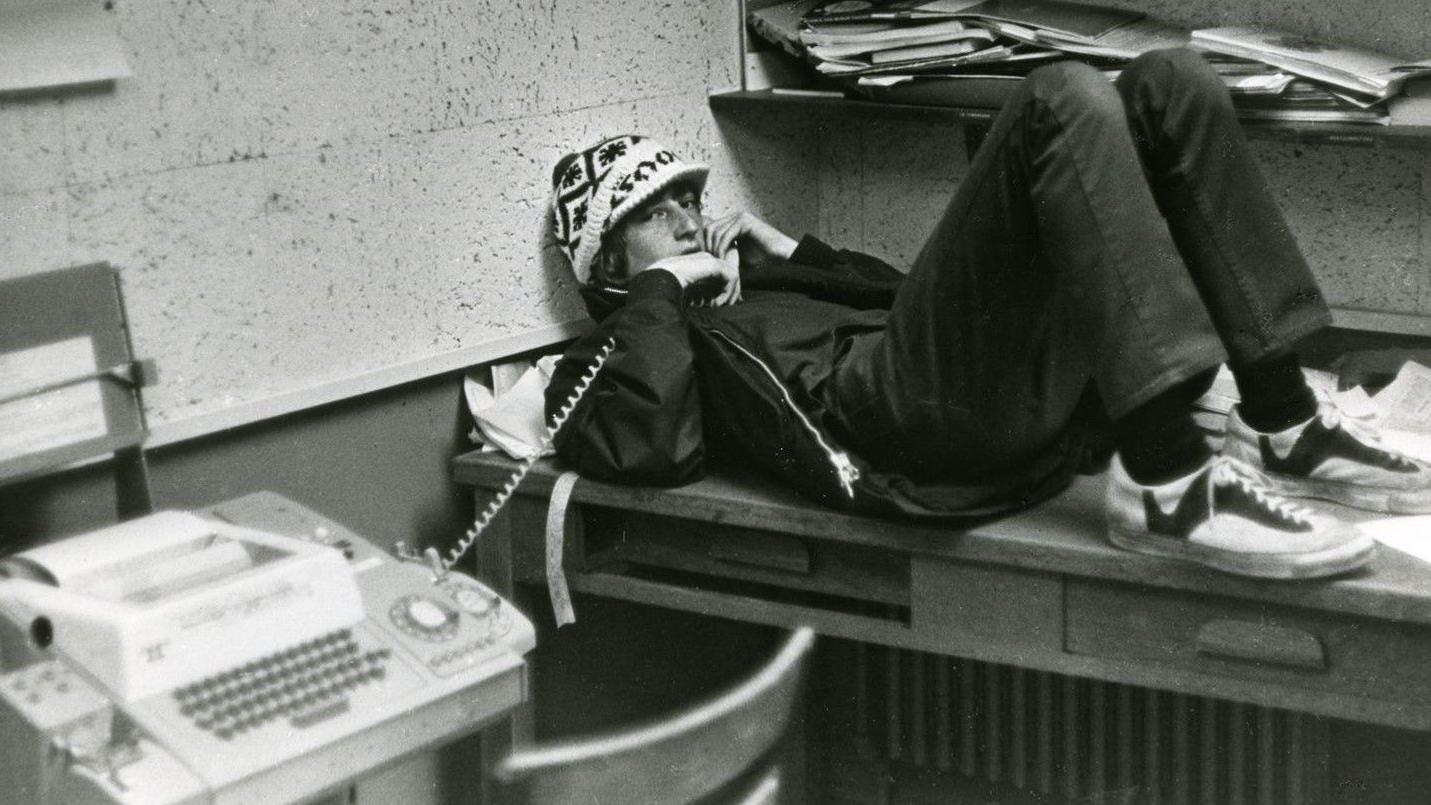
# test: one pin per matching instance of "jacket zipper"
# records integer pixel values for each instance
(845, 469)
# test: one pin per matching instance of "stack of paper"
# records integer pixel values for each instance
(948, 37)
(1306, 101)
(1079, 21)
(1402, 411)
(839, 51)
(968, 52)
(971, 53)
(1376, 76)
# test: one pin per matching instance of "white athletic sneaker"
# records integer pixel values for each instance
(1330, 457)
(1224, 516)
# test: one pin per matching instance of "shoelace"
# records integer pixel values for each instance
(1333, 417)
(1227, 471)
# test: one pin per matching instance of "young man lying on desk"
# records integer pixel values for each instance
(1109, 248)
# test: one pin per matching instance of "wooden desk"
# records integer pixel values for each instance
(1040, 590)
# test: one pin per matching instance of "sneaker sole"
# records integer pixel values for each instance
(1331, 562)
(1385, 501)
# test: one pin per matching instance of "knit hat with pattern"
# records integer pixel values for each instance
(594, 189)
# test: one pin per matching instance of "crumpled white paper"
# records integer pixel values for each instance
(1403, 411)
(513, 418)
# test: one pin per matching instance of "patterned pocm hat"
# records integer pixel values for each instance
(593, 190)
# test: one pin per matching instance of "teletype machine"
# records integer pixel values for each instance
(254, 653)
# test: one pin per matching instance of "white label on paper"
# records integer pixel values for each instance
(55, 418)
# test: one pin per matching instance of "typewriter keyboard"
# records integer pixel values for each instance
(304, 684)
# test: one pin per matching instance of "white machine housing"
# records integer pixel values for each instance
(151, 604)
(191, 660)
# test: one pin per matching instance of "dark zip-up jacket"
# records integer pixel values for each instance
(746, 383)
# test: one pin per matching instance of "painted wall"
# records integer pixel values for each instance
(301, 192)
(298, 193)
(377, 463)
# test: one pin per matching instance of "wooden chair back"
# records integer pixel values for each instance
(687, 756)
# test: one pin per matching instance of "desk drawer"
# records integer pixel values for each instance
(986, 611)
(853, 572)
(1249, 640)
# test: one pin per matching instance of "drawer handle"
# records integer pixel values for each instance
(1261, 643)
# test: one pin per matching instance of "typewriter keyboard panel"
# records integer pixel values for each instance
(304, 684)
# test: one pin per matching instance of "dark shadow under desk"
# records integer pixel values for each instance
(1040, 590)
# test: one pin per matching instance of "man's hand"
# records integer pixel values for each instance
(755, 239)
(716, 280)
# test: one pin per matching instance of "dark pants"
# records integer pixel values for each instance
(1122, 237)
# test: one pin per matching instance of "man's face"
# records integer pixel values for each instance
(666, 226)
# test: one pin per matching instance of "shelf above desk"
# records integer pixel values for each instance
(767, 100)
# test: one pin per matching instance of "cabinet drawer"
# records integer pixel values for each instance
(986, 611)
(852, 572)
(1249, 640)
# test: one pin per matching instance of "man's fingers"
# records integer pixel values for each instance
(723, 232)
(732, 284)
(732, 290)
(720, 240)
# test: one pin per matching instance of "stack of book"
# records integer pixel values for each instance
(861, 49)
(1365, 74)
(973, 52)
(1335, 81)
(954, 52)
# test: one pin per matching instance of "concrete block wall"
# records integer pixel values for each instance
(301, 192)
(1359, 214)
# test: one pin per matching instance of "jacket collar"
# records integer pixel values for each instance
(602, 300)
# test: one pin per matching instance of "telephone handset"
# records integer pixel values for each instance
(442, 565)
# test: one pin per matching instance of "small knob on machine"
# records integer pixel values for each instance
(472, 601)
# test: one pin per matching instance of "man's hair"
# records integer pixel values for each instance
(609, 267)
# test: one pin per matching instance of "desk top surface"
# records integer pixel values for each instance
(1064, 535)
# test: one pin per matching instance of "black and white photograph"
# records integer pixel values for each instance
(614, 402)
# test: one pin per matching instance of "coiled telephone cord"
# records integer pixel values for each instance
(558, 420)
